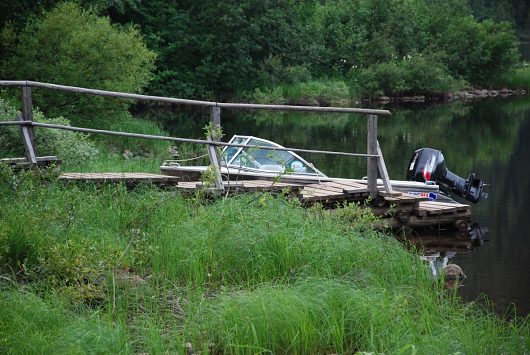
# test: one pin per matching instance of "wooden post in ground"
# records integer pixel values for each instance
(215, 119)
(27, 110)
(372, 149)
(28, 144)
(27, 115)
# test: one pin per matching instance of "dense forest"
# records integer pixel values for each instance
(249, 49)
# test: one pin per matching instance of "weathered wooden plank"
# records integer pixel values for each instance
(23, 162)
(346, 184)
(261, 183)
(353, 189)
(129, 178)
(456, 205)
(325, 187)
(307, 189)
(429, 221)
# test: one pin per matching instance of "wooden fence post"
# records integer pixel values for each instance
(215, 119)
(28, 134)
(27, 110)
(372, 149)
(215, 116)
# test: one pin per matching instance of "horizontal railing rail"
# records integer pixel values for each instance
(79, 90)
(25, 121)
(177, 139)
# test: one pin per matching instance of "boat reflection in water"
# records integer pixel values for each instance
(438, 247)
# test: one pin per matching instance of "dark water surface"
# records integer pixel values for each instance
(490, 138)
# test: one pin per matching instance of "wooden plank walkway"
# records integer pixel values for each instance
(241, 186)
(397, 209)
(23, 162)
(129, 179)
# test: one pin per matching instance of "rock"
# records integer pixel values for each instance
(342, 103)
(468, 96)
(383, 99)
(306, 101)
(493, 93)
(323, 101)
(458, 95)
(127, 154)
(503, 91)
(419, 98)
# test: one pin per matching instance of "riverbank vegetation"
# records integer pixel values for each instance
(284, 51)
(86, 268)
(106, 269)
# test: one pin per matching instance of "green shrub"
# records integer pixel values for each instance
(379, 79)
(71, 147)
(274, 96)
(412, 74)
(274, 72)
(71, 46)
(307, 92)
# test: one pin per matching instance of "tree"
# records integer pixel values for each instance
(71, 46)
(216, 48)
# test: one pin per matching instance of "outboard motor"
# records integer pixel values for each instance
(428, 164)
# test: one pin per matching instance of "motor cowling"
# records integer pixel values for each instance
(427, 164)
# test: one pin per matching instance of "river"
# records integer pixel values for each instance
(490, 137)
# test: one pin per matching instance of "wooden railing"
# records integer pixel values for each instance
(374, 155)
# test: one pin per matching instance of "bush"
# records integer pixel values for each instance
(412, 74)
(75, 47)
(274, 96)
(274, 72)
(308, 92)
(379, 79)
(71, 147)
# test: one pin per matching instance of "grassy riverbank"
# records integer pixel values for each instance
(88, 269)
(518, 79)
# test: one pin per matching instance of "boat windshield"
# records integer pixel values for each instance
(253, 158)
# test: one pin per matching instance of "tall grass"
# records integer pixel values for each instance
(517, 79)
(149, 271)
(30, 325)
(316, 92)
(122, 154)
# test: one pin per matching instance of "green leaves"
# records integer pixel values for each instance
(71, 46)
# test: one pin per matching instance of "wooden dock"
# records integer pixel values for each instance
(397, 210)
(129, 179)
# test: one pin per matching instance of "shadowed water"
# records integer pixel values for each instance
(489, 137)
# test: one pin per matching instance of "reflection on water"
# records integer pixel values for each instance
(439, 247)
(433, 241)
(489, 137)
